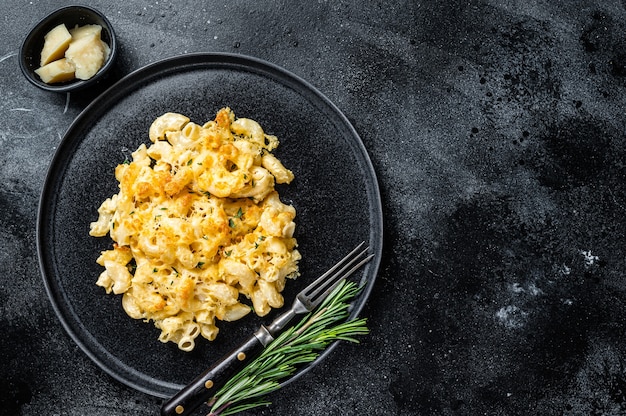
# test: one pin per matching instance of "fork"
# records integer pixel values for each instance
(209, 382)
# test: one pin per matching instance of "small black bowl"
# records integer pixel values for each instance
(30, 52)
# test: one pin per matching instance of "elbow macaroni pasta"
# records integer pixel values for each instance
(198, 227)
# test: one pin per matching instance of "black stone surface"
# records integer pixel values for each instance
(497, 130)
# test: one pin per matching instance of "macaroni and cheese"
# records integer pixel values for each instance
(198, 228)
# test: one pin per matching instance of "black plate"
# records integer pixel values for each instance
(335, 194)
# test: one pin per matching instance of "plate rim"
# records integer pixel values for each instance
(134, 81)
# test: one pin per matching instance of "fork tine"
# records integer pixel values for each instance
(332, 270)
(339, 274)
(329, 280)
(337, 279)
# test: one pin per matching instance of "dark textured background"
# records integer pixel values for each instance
(497, 130)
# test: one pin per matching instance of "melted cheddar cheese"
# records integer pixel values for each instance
(198, 227)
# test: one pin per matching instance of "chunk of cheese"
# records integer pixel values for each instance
(55, 44)
(80, 31)
(56, 71)
(87, 54)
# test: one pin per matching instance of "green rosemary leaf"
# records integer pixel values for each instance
(255, 391)
(241, 408)
(230, 393)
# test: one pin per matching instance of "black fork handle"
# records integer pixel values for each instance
(204, 387)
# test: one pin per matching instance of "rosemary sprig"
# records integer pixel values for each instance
(298, 345)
